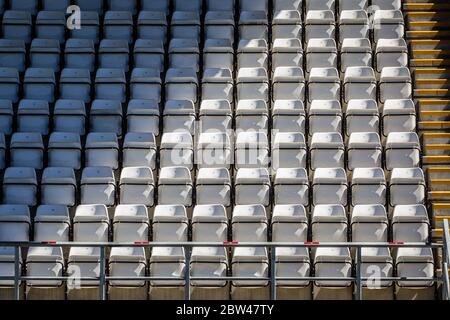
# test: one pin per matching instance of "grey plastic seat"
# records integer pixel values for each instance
(321, 53)
(218, 53)
(145, 83)
(289, 223)
(139, 150)
(324, 84)
(219, 25)
(252, 53)
(90, 26)
(106, 116)
(325, 116)
(110, 84)
(368, 186)
(288, 150)
(137, 186)
(170, 223)
(288, 83)
(143, 116)
(64, 150)
(185, 24)
(51, 25)
(98, 186)
(291, 187)
(45, 53)
(184, 52)
(27, 150)
(152, 25)
(6, 117)
(213, 186)
(39, 83)
(15, 223)
(252, 115)
(52, 223)
(287, 53)
(359, 83)
(118, 25)
(353, 24)
(287, 24)
(251, 150)
(327, 150)
(91, 223)
(215, 116)
(75, 84)
(69, 116)
(176, 149)
(402, 150)
(399, 115)
(410, 223)
(369, 223)
(364, 150)
(12, 54)
(249, 223)
(362, 115)
(9, 84)
(130, 223)
(214, 149)
(33, 116)
(181, 84)
(58, 186)
(114, 53)
(217, 84)
(391, 53)
(253, 24)
(407, 186)
(252, 83)
(355, 52)
(319, 24)
(90, 5)
(155, 5)
(17, 25)
(329, 223)
(252, 186)
(55, 5)
(123, 5)
(20, 186)
(329, 186)
(30, 6)
(388, 24)
(79, 53)
(288, 116)
(149, 54)
(102, 150)
(175, 186)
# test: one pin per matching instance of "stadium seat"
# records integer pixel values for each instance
(319, 24)
(387, 4)
(149, 54)
(213, 186)
(217, 84)
(368, 186)
(289, 151)
(152, 25)
(369, 223)
(218, 53)
(326, 151)
(106, 116)
(395, 83)
(33, 116)
(287, 5)
(178, 116)
(39, 83)
(288, 116)
(55, 5)
(64, 150)
(91, 223)
(170, 223)
(155, 5)
(143, 116)
(12, 54)
(287, 53)
(252, 83)
(220, 5)
(51, 25)
(410, 223)
(353, 24)
(249, 262)
(325, 116)
(185, 25)
(98, 186)
(6, 117)
(118, 25)
(359, 83)
(101, 150)
(184, 52)
(181, 84)
(324, 84)
(83, 262)
(319, 5)
(249, 223)
(214, 149)
(288, 83)
(291, 186)
(137, 186)
(30, 6)
(355, 53)
(27, 150)
(209, 223)
(80, 54)
(169, 262)
(362, 115)
(123, 5)
(45, 53)
(175, 186)
(253, 24)
(139, 149)
(52, 223)
(110, 84)
(59, 186)
(289, 223)
(402, 150)
(287, 24)
(406, 186)
(219, 25)
(252, 116)
(252, 186)
(391, 53)
(90, 5)
(69, 116)
(376, 264)
(321, 53)
(399, 116)
(90, 25)
(114, 54)
(251, 150)
(329, 186)
(10, 84)
(176, 149)
(388, 24)
(75, 84)
(15, 222)
(17, 25)
(131, 223)
(215, 116)
(252, 53)
(364, 150)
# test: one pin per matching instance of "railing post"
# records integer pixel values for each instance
(273, 275)
(445, 260)
(102, 275)
(358, 274)
(187, 275)
(17, 273)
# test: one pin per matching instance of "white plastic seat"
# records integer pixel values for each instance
(39, 84)
(45, 53)
(208, 262)
(252, 83)
(91, 223)
(79, 53)
(90, 26)
(106, 116)
(170, 223)
(110, 84)
(399, 116)
(184, 52)
(369, 223)
(177, 149)
(325, 116)
(114, 54)
(217, 84)
(118, 25)
(293, 262)
(364, 150)
(252, 186)
(321, 53)
(319, 24)
(391, 53)
(332, 262)
(215, 116)
(185, 24)
(152, 25)
(326, 151)
(395, 83)
(252, 116)
(148, 54)
(402, 150)
(407, 186)
(12, 54)
(353, 24)
(52, 223)
(209, 223)
(324, 84)
(319, 5)
(362, 115)
(83, 262)
(167, 262)
(355, 53)
(388, 4)
(251, 150)
(218, 53)
(289, 223)
(139, 149)
(213, 186)
(27, 150)
(288, 83)
(410, 223)
(51, 25)
(175, 186)
(214, 149)
(33, 116)
(219, 25)
(388, 24)
(291, 187)
(250, 262)
(69, 116)
(58, 186)
(15, 222)
(75, 84)
(127, 262)
(98, 186)
(137, 186)
(329, 223)
(143, 116)
(376, 264)
(329, 186)
(131, 223)
(179, 116)
(359, 83)
(7, 265)
(64, 150)
(368, 186)
(252, 53)
(102, 150)
(415, 262)
(287, 5)
(181, 84)
(249, 223)
(287, 53)
(17, 25)
(287, 24)
(45, 262)
(253, 24)
(288, 116)
(288, 151)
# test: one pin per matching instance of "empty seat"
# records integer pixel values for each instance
(353, 4)
(250, 262)
(152, 25)
(288, 83)
(90, 5)
(319, 24)
(168, 262)
(139, 149)
(75, 84)
(319, 5)
(368, 186)
(359, 83)
(127, 262)
(217, 84)
(64, 150)
(9, 84)
(410, 223)
(195, 5)
(110, 84)
(102, 150)
(415, 263)
(98, 186)
(55, 5)
(17, 25)
(45, 53)
(149, 54)
(288, 116)
(170, 223)
(355, 53)
(45, 262)
(249, 223)
(362, 115)
(326, 151)
(407, 186)
(329, 224)
(324, 84)
(289, 223)
(15, 222)
(52, 223)
(287, 5)
(395, 83)
(33, 116)
(325, 116)
(209, 223)
(219, 25)
(399, 116)
(155, 5)
(333, 262)
(137, 186)
(252, 83)
(83, 262)
(218, 53)
(20, 186)
(213, 186)
(184, 52)
(185, 24)
(391, 53)
(219, 5)
(252, 186)
(291, 187)
(329, 186)
(114, 54)
(251, 150)
(353, 24)
(106, 116)
(121, 5)
(209, 262)
(7, 265)
(287, 24)
(175, 186)
(252, 53)
(388, 24)
(51, 25)
(179, 116)
(91, 223)
(6, 117)
(143, 116)
(27, 150)
(12, 54)
(69, 116)
(39, 83)
(181, 84)
(253, 24)
(288, 151)
(321, 53)
(176, 149)
(214, 149)
(377, 264)
(369, 223)
(131, 223)
(89, 28)
(252, 116)
(287, 53)
(118, 25)
(364, 150)
(79, 53)
(215, 115)
(402, 150)
(58, 186)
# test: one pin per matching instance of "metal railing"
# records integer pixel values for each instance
(357, 280)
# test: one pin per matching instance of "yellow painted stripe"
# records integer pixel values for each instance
(435, 135)
(430, 52)
(440, 181)
(440, 205)
(432, 92)
(436, 159)
(427, 33)
(433, 102)
(431, 23)
(434, 124)
(437, 146)
(430, 62)
(431, 70)
(426, 6)
(432, 81)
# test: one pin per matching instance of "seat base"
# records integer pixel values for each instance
(128, 293)
(166, 293)
(378, 294)
(292, 293)
(250, 293)
(427, 293)
(84, 293)
(330, 293)
(39, 293)
(8, 293)
(207, 293)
